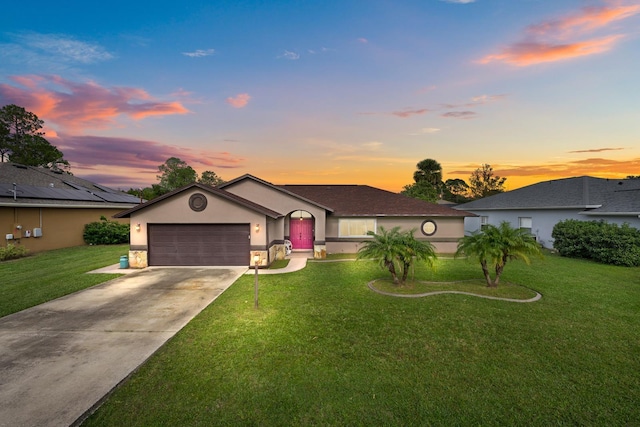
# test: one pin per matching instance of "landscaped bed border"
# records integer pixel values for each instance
(426, 294)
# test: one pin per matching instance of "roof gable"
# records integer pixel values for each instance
(278, 188)
(211, 190)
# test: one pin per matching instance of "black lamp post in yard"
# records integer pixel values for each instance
(256, 260)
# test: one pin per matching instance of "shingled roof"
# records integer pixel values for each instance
(30, 185)
(595, 195)
(363, 200)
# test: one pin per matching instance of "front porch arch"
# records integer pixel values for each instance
(301, 230)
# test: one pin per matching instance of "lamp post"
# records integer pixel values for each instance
(256, 260)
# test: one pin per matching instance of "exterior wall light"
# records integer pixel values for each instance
(138, 227)
(257, 228)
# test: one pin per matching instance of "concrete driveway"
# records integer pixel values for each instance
(58, 359)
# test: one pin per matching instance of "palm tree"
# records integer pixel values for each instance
(429, 170)
(396, 251)
(494, 246)
(415, 250)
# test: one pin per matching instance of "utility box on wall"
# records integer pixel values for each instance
(37, 232)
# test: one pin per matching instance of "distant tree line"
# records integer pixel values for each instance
(22, 140)
(174, 174)
(428, 184)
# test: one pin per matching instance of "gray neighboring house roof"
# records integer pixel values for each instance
(595, 196)
(34, 186)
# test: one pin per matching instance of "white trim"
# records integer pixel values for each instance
(610, 213)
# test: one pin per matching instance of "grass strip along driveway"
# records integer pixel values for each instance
(325, 349)
(48, 275)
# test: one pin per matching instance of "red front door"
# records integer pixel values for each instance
(301, 233)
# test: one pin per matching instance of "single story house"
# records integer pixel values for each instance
(43, 209)
(539, 207)
(249, 221)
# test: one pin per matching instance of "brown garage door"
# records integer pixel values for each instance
(199, 244)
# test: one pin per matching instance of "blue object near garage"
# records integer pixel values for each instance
(124, 261)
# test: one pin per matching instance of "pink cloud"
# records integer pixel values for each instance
(589, 18)
(592, 167)
(597, 150)
(408, 113)
(141, 179)
(426, 89)
(460, 114)
(562, 38)
(239, 101)
(530, 53)
(90, 151)
(76, 106)
(485, 99)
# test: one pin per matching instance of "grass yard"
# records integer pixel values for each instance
(280, 263)
(323, 349)
(48, 275)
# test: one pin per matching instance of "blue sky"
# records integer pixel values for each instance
(353, 92)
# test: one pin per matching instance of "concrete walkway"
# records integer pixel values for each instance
(59, 359)
(295, 264)
(297, 261)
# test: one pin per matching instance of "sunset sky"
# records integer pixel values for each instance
(350, 92)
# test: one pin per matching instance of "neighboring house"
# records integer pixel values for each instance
(539, 207)
(247, 221)
(42, 209)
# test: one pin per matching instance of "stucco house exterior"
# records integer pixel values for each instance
(540, 206)
(42, 209)
(249, 221)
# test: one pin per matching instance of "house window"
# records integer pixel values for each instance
(356, 227)
(484, 221)
(525, 223)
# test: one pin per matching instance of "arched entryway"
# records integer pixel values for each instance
(301, 226)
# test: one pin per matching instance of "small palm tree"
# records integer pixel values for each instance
(396, 251)
(415, 250)
(494, 246)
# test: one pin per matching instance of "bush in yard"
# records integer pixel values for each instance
(105, 232)
(599, 241)
(12, 252)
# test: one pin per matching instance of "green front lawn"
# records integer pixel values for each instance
(323, 349)
(48, 275)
